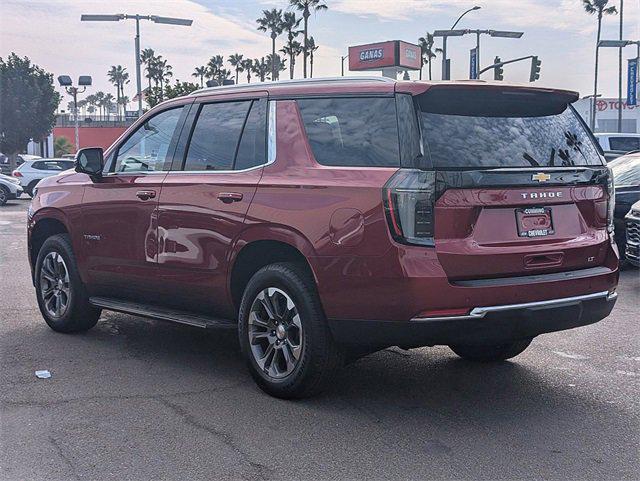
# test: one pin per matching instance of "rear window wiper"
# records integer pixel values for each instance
(531, 160)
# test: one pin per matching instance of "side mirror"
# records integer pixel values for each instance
(90, 161)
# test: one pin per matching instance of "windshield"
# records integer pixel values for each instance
(466, 141)
(626, 171)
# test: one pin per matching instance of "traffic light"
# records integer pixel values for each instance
(535, 69)
(498, 70)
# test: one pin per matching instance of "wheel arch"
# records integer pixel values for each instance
(45, 226)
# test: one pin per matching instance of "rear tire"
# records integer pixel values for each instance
(4, 195)
(283, 333)
(494, 353)
(61, 295)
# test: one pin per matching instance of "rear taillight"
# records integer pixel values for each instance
(16, 173)
(611, 201)
(409, 206)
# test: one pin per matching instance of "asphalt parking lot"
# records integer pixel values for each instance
(137, 399)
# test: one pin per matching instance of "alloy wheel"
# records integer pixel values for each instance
(55, 288)
(275, 333)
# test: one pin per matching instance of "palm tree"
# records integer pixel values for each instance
(427, 52)
(261, 68)
(145, 57)
(124, 101)
(292, 50)
(99, 97)
(214, 65)
(247, 65)
(598, 8)
(107, 103)
(222, 75)
(276, 65)
(236, 62)
(118, 76)
(200, 72)
(91, 102)
(164, 73)
(271, 22)
(311, 47)
(306, 6)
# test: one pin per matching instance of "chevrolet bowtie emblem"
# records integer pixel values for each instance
(540, 177)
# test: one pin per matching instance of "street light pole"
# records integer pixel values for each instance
(445, 71)
(83, 81)
(123, 16)
(342, 57)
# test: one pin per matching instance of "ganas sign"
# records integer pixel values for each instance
(371, 54)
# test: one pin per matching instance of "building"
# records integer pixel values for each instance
(607, 115)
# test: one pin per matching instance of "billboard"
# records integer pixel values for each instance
(376, 56)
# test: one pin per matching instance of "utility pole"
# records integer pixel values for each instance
(342, 58)
(446, 75)
(620, 70)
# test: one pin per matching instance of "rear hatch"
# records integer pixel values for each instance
(520, 186)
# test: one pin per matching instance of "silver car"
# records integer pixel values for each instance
(31, 172)
(10, 188)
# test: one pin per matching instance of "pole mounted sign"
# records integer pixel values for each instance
(392, 54)
(473, 63)
(632, 82)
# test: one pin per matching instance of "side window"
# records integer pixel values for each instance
(625, 144)
(38, 165)
(252, 150)
(215, 136)
(148, 148)
(408, 131)
(358, 132)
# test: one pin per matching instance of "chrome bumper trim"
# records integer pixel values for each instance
(480, 312)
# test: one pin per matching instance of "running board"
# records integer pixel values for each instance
(161, 313)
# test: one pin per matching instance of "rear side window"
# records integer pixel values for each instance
(215, 136)
(252, 150)
(356, 132)
(624, 144)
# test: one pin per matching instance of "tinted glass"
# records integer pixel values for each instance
(148, 149)
(252, 151)
(462, 141)
(626, 171)
(625, 144)
(409, 131)
(352, 131)
(215, 136)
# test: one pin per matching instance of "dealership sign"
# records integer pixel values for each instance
(377, 56)
(632, 81)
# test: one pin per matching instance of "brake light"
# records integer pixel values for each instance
(408, 199)
(611, 201)
(16, 173)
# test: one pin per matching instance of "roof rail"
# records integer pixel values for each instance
(293, 82)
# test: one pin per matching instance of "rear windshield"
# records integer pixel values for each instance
(468, 141)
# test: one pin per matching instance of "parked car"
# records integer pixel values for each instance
(615, 145)
(9, 189)
(5, 167)
(626, 175)
(30, 172)
(328, 218)
(632, 248)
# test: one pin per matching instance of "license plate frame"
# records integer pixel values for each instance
(525, 214)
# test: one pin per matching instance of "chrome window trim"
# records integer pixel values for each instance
(480, 312)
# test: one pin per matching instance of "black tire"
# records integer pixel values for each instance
(320, 357)
(495, 353)
(29, 188)
(78, 315)
(4, 195)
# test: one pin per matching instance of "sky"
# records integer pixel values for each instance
(558, 31)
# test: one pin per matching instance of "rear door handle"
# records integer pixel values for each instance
(228, 197)
(146, 194)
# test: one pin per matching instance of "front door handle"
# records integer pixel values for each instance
(228, 197)
(146, 194)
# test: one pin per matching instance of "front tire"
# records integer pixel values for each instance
(493, 353)
(61, 295)
(4, 195)
(284, 335)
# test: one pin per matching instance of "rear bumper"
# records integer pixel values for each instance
(483, 325)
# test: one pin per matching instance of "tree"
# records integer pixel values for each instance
(27, 107)
(118, 76)
(271, 21)
(600, 9)
(214, 65)
(62, 146)
(99, 97)
(179, 89)
(261, 68)
(306, 6)
(247, 65)
(311, 47)
(201, 73)
(164, 73)
(293, 48)
(427, 52)
(276, 65)
(107, 103)
(146, 56)
(236, 62)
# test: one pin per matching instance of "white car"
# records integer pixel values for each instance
(10, 188)
(33, 171)
(4, 161)
(615, 144)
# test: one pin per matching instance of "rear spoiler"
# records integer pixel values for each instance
(481, 100)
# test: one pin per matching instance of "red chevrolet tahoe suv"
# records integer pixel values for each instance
(329, 218)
